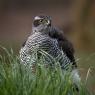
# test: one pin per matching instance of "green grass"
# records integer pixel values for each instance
(86, 63)
(17, 79)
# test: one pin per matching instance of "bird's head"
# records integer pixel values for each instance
(41, 23)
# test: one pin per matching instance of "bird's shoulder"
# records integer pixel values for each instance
(63, 42)
(62, 39)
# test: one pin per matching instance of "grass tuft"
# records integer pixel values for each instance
(17, 79)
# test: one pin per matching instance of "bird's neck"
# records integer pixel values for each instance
(42, 31)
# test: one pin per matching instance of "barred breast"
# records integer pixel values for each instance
(41, 41)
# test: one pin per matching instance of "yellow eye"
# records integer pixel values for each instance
(44, 21)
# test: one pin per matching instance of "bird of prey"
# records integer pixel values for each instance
(50, 39)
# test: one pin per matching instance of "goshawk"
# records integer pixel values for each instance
(51, 40)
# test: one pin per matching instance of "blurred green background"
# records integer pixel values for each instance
(75, 17)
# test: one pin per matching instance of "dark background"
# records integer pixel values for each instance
(75, 17)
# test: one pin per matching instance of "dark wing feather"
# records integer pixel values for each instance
(65, 44)
(23, 43)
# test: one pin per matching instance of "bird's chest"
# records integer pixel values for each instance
(42, 41)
